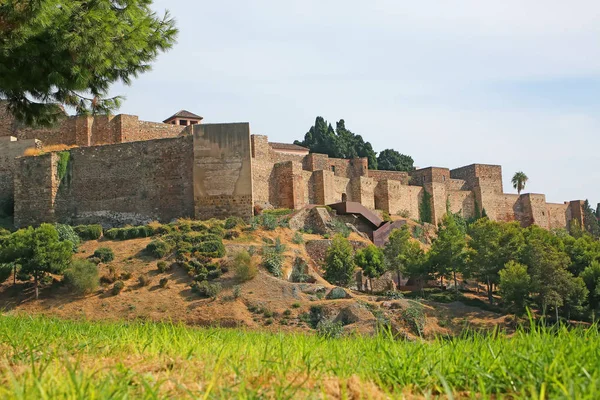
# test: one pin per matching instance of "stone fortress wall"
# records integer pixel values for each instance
(126, 171)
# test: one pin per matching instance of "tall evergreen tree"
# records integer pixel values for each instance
(392, 160)
(57, 52)
(590, 221)
(448, 255)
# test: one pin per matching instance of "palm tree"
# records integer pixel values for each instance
(519, 180)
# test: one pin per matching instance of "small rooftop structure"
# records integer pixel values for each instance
(184, 118)
(288, 148)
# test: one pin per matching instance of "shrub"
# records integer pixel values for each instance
(118, 287)
(144, 280)
(330, 329)
(5, 271)
(214, 274)
(244, 266)
(231, 235)
(89, 232)
(273, 261)
(129, 232)
(82, 276)
(66, 232)
(162, 266)
(414, 317)
(279, 247)
(237, 291)
(105, 254)
(213, 249)
(296, 305)
(341, 228)
(300, 271)
(217, 230)
(206, 289)
(94, 260)
(339, 261)
(164, 282)
(404, 213)
(233, 222)
(158, 248)
(297, 238)
(394, 295)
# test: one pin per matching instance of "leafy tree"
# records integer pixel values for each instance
(591, 278)
(547, 265)
(339, 261)
(575, 296)
(39, 251)
(55, 52)
(425, 214)
(448, 255)
(338, 143)
(515, 284)
(5, 271)
(372, 262)
(392, 160)
(493, 245)
(403, 255)
(590, 221)
(582, 252)
(519, 180)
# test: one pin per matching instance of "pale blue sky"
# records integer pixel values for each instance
(515, 83)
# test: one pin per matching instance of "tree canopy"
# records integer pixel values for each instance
(56, 52)
(392, 160)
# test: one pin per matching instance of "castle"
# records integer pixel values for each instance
(120, 170)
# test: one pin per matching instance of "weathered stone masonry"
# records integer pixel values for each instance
(127, 171)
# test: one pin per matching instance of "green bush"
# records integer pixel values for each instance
(162, 266)
(213, 249)
(237, 291)
(164, 282)
(89, 232)
(214, 274)
(104, 254)
(206, 289)
(298, 238)
(129, 232)
(278, 212)
(66, 232)
(415, 318)
(329, 329)
(273, 262)
(244, 266)
(118, 287)
(300, 271)
(229, 235)
(233, 222)
(82, 276)
(5, 271)
(158, 248)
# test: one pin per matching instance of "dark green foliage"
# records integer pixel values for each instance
(62, 164)
(515, 285)
(316, 315)
(590, 221)
(233, 222)
(415, 318)
(105, 254)
(371, 260)
(229, 235)
(57, 53)
(118, 287)
(164, 282)
(448, 255)
(213, 274)
(89, 232)
(82, 276)
(206, 289)
(278, 212)
(217, 230)
(392, 160)
(341, 143)
(158, 248)
(129, 232)
(6, 270)
(404, 256)
(211, 248)
(591, 277)
(339, 261)
(38, 251)
(67, 233)
(425, 214)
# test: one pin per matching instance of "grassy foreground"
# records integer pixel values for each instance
(46, 358)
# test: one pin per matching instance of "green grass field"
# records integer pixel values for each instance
(43, 358)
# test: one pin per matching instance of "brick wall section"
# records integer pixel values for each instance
(400, 176)
(557, 215)
(9, 150)
(114, 186)
(462, 201)
(289, 185)
(393, 197)
(36, 185)
(222, 171)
